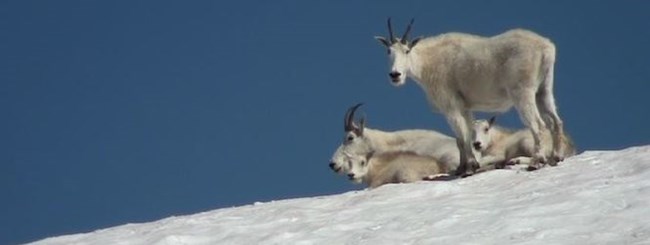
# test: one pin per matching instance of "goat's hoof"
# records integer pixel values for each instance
(532, 168)
(474, 166)
(552, 162)
(466, 170)
(555, 160)
(463, 172)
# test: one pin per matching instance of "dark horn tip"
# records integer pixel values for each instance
(408, 30)
(349, 115)
(390, 31)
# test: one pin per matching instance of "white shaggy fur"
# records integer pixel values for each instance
(461, 73)
(359, 141)
(394, 167)
(498, 146)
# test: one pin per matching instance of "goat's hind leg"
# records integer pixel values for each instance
(546, 106)
(530, 116)
(554, 125)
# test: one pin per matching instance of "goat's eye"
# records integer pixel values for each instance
(363, 163)
(349, 138)
(486, 130)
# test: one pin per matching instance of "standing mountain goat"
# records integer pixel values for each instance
(359, 141)
(393, 167)
(461, 73)
(498, 146)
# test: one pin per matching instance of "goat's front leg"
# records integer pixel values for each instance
(437, 177)
(460, 124)
(495, 161)
(520, 161)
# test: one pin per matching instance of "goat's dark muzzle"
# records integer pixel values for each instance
(477, 145)
(334, 167)
(395, 76)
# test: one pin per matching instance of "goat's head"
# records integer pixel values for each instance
(482, 134)
(359, 168)
(354, 142)
(398, 50)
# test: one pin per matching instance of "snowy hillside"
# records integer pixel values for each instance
(598, 197)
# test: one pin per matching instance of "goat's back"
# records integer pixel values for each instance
(521, 143)
(483, 70)
(430, 143)
(405, 167)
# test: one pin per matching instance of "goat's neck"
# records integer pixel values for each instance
(425, 59)
(384, 141)
(370, 176)
(415, 65)
(374, 175)
(498, 137)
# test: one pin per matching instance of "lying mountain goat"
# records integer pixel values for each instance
(498, 146)
(359, 141)
(461, 73)
(394, 167)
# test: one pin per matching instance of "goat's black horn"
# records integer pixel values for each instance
(390, 31)
(408, 29)
(348, 125)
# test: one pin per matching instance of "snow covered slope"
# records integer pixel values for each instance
(598, 197)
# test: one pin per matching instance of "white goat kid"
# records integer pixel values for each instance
(394, 167)
(359, 141)
(498, 146)
(461, 73)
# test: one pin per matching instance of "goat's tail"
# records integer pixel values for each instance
(546, 67)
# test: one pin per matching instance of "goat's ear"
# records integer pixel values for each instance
(362, 125)
(491, 121)
(383, 41)
(414, 42)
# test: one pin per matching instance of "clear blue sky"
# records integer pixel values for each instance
(116, 112)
